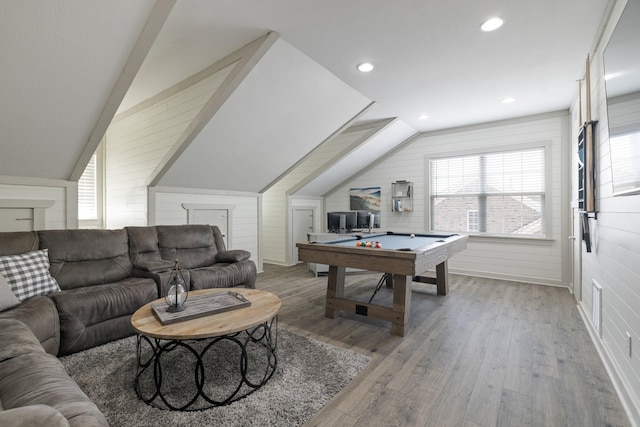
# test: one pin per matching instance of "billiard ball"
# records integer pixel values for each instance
(368, 244)
(378, 245)
(357, 243)
(412, 235)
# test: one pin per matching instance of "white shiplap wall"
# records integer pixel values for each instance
(166, 203)
(614, 262)
(277, 215)
(137, 141)
(540, 261)
(61, 193)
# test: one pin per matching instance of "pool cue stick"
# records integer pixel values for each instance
(589, 184)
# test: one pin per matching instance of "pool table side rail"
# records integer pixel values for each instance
(409, 263)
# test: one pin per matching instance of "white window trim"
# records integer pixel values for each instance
(97, 223)
(548, 226)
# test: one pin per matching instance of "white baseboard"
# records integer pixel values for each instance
(631, 407)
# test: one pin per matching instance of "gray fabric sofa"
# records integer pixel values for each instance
(35, 390)
(104, 277)
(204, 260)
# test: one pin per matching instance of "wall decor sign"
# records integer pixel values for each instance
(367, 198)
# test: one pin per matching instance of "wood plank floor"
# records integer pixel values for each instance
(490, 353)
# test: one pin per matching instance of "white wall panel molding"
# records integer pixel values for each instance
(62, 213)
(167, 206)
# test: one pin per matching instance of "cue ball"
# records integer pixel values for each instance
(412, 235)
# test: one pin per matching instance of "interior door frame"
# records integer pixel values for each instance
(38, 208)
(292, 243)
(192, 207)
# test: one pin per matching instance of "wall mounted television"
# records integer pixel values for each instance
(622, 84)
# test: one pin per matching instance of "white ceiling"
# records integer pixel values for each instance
(60, 63)
(267, 125)
(430, 56)
(63, 63)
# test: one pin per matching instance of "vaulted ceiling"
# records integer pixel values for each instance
(69, 65)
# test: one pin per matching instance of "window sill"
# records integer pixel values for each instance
(515, 240)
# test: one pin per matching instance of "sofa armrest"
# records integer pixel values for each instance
(162, 278)
(154, 266)
(234, 255)
(33, 415)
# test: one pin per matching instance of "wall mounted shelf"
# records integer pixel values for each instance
(402, 196)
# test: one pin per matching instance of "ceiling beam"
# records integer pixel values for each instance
(246, 59)
(147, 37)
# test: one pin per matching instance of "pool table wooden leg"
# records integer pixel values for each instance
(442, 278)
(335, 288)
(401, 303)
(388, 280)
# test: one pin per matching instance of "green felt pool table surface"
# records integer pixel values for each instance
(391, 240)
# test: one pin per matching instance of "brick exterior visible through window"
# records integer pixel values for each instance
(493, 193)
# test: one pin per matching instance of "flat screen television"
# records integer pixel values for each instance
(368, 219)
(342, 222)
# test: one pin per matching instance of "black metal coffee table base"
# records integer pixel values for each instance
(191, 375)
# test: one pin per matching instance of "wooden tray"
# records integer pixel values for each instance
(201, 305)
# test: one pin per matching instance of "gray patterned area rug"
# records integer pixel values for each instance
(308, 375)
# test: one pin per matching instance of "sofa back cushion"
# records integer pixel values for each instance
(18, 242)
(193, 245)
(87, 257)
(143, 245)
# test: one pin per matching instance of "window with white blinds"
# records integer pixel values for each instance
(88, 192)
(492, 193)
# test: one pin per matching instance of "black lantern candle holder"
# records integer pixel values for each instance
(177, 294)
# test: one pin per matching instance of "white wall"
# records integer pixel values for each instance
(139, 139)
(165, 206)
(543, 261)
(614, 262)
(276, 202)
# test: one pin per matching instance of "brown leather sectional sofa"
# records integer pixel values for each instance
(104, 276)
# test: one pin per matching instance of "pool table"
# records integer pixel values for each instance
(402, 257)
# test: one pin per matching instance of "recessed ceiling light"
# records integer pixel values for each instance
(423, 117)
(492, 24)
(365, 67)
(508, 100)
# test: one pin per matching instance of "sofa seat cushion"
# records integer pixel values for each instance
(85, 312)
(40, 315)
(39, 378)
(15, 340)
(221, 275)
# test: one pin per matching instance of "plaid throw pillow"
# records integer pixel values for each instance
(28, 274)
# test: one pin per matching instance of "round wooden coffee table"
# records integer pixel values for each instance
(207, 361)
